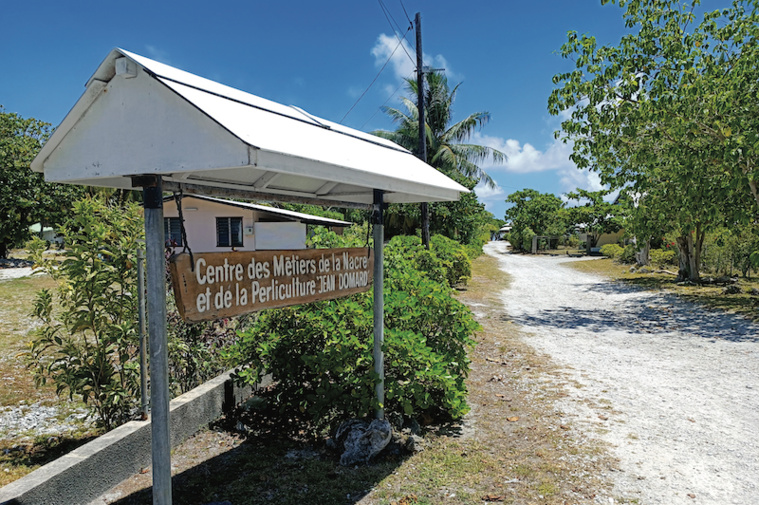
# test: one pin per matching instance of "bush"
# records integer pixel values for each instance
(455, 259)
(196, 350)
(88, 348)
(628, 254)
(613, 251)
(320, 354)
(662, 257)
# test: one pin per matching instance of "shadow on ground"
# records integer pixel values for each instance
(271, 467)
(642, 311)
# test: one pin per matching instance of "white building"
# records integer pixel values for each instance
(216, 225)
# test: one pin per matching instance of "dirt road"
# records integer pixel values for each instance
(672, 387)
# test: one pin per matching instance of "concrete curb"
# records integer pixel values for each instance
(87, 472)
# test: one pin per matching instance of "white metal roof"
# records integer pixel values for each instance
(138, 116)
(283, 213)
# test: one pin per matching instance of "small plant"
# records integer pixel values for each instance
(87, 347)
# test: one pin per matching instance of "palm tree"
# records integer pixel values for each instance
(447, 149)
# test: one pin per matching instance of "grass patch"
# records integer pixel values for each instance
(19, 458)
(712, 296)
(22, 453)
(16, 300)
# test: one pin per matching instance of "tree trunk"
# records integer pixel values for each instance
(643, 256)
(425, 225)
(690, 255)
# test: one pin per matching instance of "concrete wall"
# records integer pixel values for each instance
(92, 469)
(200, 225)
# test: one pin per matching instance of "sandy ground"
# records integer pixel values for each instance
(15, 273)
(672, 388)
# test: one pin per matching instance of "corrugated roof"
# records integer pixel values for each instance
(139, 116)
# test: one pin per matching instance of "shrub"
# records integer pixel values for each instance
(662, 257)
(320, 354)
(628, 254)
(454, 257)
(196, 350)
(613, 251)
(88, 348)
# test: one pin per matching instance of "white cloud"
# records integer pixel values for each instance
(485, 192)
(525, 158)
(570, 180)
(401, 64)
(404, 66)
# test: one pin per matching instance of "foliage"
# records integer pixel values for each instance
(25, 197)
(454, 257)
(669, 116)
(596, 215)
(320, 354)
(196, 350)
(447, 151)
(729, 249)
(662, 257)
(356, 235)
(87, 348)
(534, 213)
(628, 254)
(613, 251)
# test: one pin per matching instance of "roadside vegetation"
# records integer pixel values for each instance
(512, 447)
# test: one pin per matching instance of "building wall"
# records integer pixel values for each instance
(200, 226)
(609, 238)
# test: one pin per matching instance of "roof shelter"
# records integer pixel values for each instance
(141, 123)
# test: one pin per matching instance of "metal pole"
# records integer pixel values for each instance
(379, 302)
(159, 360)
(143, 333)
(422, 129)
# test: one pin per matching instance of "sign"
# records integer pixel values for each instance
(234, 283)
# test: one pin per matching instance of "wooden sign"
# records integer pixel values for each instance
(234, 283)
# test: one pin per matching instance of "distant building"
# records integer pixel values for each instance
(216, 225)
(45, 233)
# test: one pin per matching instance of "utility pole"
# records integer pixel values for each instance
(422, 130)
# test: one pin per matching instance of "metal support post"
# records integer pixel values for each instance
(159, 360)
(379, 301)
(143, 333)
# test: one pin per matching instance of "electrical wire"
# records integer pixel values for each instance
(406, 13)
(388, 99)
(400, 43)
(389, 16)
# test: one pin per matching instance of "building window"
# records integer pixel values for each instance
(172, 231)
(228, 232)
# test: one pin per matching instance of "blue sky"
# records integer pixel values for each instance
(322, 56)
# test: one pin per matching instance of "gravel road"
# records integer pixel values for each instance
(672, 388)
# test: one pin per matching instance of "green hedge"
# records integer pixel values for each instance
(320, 354)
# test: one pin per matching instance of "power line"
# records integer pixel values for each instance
(388, 16)
(406, 13)
(388, 99)
(400, 43)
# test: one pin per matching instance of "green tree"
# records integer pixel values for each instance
(595, 214)
(448, 151)
(654, 115)
(534, 213)
(25, 197)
